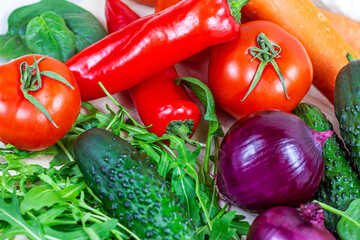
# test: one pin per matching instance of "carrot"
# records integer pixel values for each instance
(301, 18)
(348, 28)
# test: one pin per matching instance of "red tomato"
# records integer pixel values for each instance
(232, 70)
(21, 123)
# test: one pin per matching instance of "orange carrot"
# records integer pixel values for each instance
(301, 18)
(349, 29)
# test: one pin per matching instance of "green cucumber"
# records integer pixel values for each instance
(347, 107)
(340, 184)
(130, 188)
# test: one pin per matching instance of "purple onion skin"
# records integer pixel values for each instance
(286, 223)
(270, 158)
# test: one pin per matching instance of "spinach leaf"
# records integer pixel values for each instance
(20, 17)
(49, 35)
(13, 46)
(86, 27)
(349, 225)
(83, 24)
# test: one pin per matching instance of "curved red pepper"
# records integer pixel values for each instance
(154, 43)
(158, 99)
(118, 15)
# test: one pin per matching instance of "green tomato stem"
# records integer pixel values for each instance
(31, 81)
(266, 53)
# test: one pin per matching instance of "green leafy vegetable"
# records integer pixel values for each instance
(19, 18)
(33, 200)
(13, 46)
(86, 28)
(83, 24)
(49, 35)
(349, 225)
(10, 213)
(222, 230)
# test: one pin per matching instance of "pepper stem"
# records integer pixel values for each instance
(31, 81)
(235, 7)
(266, 53)
(350, 57)
(182, 129)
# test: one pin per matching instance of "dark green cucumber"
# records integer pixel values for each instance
(347, 107)
(130, 187)
(340, 184)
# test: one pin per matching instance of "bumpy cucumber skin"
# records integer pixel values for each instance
(340, 184)
(347, 107)
(130, 187)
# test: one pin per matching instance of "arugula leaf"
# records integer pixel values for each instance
(221, 227)
(49, 35)
(10, 152)
(349, 225)
(10, 213)
(186, 157)
(39, 197)
(71, 192)
(241, 226)
(100, 230)
(48, 217)
(184, 187)
(163, 167)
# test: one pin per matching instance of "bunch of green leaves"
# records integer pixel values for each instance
(56, 28)
(43, 191)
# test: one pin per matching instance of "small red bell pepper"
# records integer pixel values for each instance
(154, 43)
(164, 105)
(158, 100)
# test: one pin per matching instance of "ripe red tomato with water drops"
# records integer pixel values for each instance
(39, 102)
(263, 68)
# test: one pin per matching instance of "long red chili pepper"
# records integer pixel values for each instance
(118, 15)
(154, 43)
(158, 100)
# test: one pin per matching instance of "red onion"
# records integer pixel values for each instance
(270, 158)
(285, 223)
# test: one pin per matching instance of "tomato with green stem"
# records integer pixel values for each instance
(263, 68)
(39, 102)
